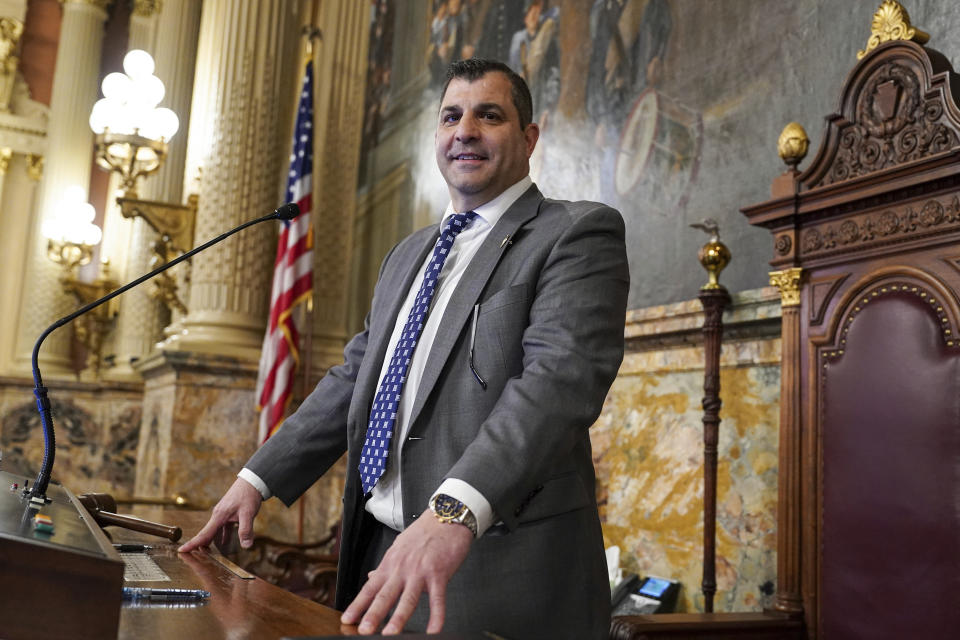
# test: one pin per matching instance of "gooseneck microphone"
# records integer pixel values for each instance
(38, 493)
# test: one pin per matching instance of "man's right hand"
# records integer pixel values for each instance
(239, 504)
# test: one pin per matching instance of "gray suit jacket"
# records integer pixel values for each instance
(549, 342)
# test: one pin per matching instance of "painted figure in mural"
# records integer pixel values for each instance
(629, 38)
(447, 32)
(501, 20)
(534, 54)
(488, 351)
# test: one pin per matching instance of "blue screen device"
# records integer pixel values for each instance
(654, 587)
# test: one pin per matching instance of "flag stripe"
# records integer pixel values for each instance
(292, 275)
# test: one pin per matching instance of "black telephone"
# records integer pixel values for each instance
(635, 596)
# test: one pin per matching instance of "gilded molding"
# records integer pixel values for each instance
(891, 22)
(788, 282)
(147, 8)
(35, 166)
(5, 155)
(10, 31)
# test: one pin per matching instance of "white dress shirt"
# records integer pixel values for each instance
(386, 502)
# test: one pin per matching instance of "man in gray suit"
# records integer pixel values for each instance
(464, 404)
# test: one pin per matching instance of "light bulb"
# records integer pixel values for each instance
(85, 212)
(74, 195)
(116, 86)
(91, 234)
(166, 122)
(99, 115)
(148, 90)
(138, 63)
(52, 229)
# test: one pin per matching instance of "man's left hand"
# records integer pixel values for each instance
(422, 558)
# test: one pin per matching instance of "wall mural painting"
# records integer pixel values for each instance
(641, 140)
(379, 68)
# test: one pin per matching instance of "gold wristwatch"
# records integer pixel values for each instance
(449, 509)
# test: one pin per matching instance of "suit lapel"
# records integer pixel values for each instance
(469, 288)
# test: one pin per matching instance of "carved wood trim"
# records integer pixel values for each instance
(822, 291)
(896, 108)
(886, 281)
(892, 225)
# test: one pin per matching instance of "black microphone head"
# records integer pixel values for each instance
(288, 211)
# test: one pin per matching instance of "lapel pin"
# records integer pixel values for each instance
(505, 242)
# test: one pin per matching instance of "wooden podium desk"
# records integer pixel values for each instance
(237, 608)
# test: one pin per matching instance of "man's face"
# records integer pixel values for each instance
(481, 149)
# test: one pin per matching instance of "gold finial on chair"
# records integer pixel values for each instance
(793, 144)
(714, 256)
(891, 22)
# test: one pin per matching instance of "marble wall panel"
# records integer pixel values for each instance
(648, 451)
(199, 428)
(96, 427)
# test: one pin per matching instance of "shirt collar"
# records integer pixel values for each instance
(493, 210)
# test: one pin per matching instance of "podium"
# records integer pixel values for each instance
(60, 584)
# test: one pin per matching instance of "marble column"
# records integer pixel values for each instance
(67, 162)
(199, 423)
(169, 32)
(341, 63)
(246, 69)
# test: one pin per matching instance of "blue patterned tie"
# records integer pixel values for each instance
(383, 415)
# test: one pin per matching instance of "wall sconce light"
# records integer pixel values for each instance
(132, 135)
(71, 236)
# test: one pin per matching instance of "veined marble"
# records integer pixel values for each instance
(648, 451)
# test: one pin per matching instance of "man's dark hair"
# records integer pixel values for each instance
(473, 69)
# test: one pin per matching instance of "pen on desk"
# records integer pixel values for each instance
(131, 548)
(164, 595)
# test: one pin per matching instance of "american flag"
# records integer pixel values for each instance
(292, 276)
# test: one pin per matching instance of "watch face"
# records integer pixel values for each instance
(448, 507)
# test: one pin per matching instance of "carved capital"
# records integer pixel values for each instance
(147, 8)
(10, 32)
(788, 282)
(35, 166)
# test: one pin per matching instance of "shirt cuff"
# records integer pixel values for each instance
(254, 479)
(469, 496)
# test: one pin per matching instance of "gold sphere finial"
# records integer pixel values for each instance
(793, 144)
(714, 256)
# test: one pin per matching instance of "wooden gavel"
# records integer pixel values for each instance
(103, 508)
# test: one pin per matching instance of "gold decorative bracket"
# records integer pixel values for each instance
(175, 223)
(92, 328)
(788, 282)
(891, 22)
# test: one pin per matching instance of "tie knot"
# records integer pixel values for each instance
(458, 222)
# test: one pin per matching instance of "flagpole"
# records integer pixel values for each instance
(306, 350)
